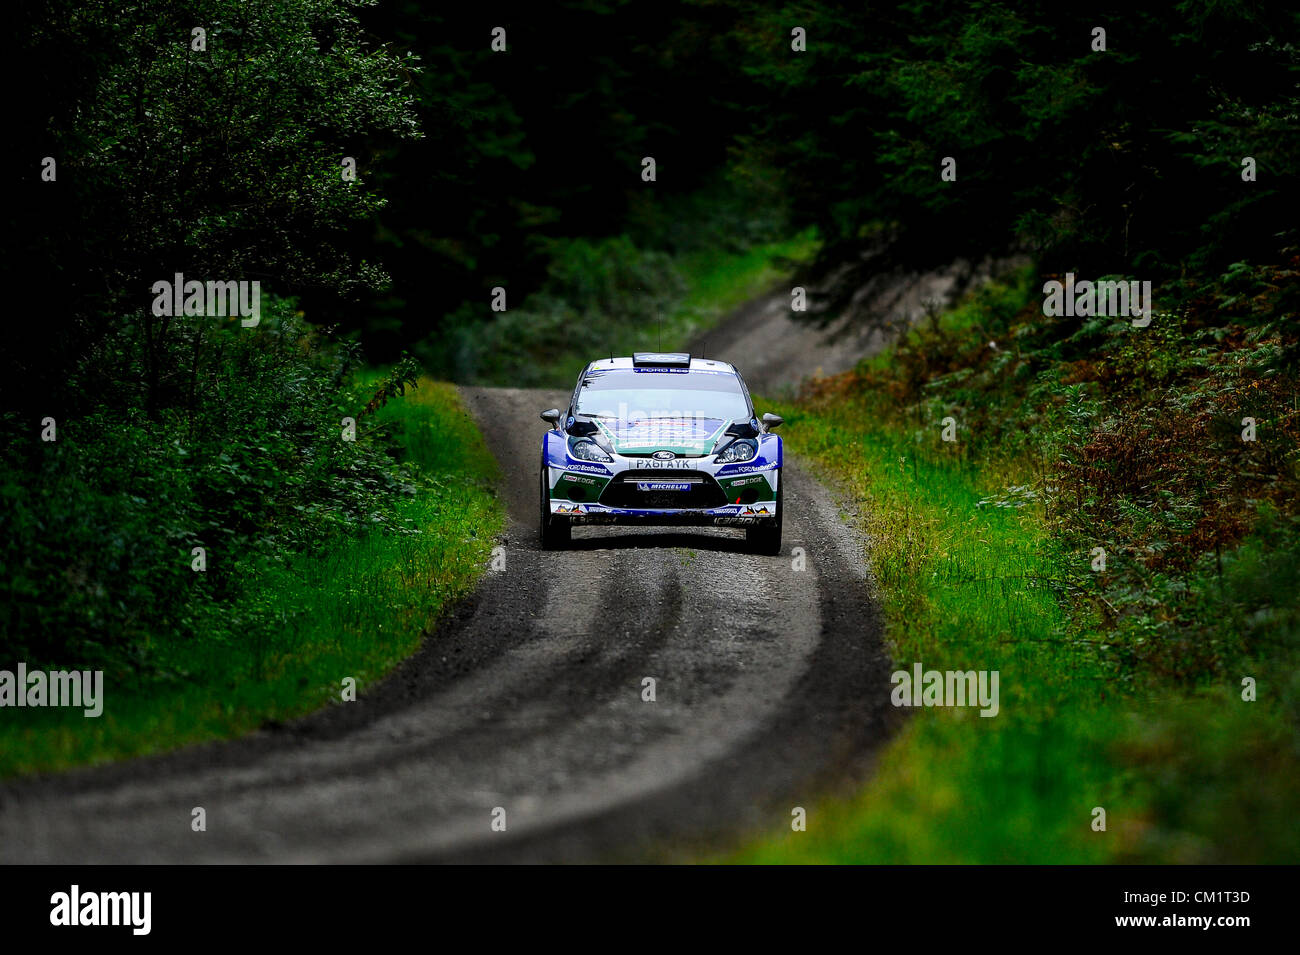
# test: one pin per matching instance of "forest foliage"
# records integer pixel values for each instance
(521, 169)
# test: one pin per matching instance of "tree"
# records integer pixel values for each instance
(204, 138)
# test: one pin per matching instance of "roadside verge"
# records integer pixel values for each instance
(351, 609)
(1119, 555)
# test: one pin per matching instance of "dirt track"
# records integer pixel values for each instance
(771, 688)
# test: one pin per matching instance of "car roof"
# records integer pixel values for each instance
(626, 363)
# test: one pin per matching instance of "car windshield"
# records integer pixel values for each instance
(642, 394)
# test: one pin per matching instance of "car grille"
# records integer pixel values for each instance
(651, 454)
(623, 492)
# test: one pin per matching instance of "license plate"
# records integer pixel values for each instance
(662, 486)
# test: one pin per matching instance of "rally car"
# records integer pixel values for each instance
(661, 438)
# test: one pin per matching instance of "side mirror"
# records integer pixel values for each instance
(552, 415)
(772, 421)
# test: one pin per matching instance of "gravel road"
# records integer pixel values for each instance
(771, 691)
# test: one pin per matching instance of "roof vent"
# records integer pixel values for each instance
(671, 359)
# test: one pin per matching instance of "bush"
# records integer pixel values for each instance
(100, 524)
(596, 292)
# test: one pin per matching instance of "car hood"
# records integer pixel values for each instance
(692, 436)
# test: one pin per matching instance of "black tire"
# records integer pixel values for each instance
(556, 531)
(766, 538)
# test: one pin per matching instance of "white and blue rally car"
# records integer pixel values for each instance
(661, 438)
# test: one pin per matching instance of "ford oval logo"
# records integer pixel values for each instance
(663, 455)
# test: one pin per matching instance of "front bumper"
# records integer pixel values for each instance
(729, 515)
(638, 489)
(629, 492)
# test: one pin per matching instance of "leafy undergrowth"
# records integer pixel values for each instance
(354, 603)
(611, 297)
(1125, 677)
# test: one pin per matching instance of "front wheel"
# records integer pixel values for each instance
(765, 538)
(556, 531)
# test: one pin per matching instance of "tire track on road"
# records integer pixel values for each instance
(772, 686)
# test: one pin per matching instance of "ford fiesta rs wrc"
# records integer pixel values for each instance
(661, 438)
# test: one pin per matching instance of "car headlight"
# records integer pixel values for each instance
(741, 450)
(584, 449)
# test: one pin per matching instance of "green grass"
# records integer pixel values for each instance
(963, 588)
(356, 610)
(718, 282)
(1120, 690)
(527, 349)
